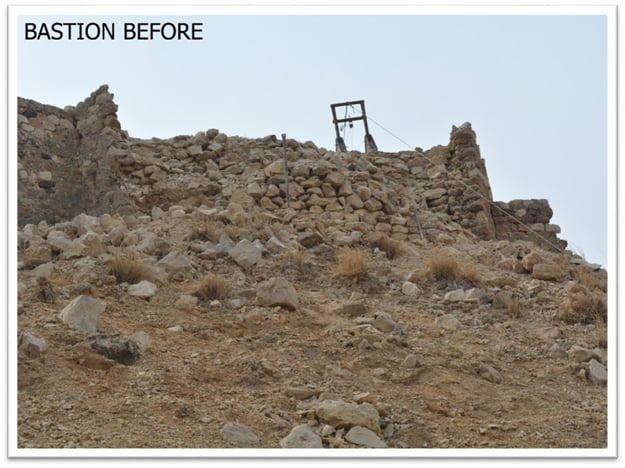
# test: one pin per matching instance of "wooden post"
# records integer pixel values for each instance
(286, 172)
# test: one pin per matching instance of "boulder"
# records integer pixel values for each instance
(143, 289)
(338, 413)
(547, 272)
(301, 436)
(239, 435)
(246, 254)
(277, 292)
(83, 313)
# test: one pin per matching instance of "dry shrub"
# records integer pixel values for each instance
(207, 230)
(514, 309)
(351, 263)
(592, 280)
(442, 266)
(297, 258)
(601, 334)
(213, 287)
(584, 308)
(391, 247)
(127, 268)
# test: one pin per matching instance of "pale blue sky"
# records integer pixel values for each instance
(533, 87)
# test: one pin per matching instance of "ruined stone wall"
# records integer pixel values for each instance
(79, 160)
(66, 159)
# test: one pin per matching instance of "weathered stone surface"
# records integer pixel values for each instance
(301, 393)
(456, 295)
(143, 289)
(352, 309)
(364, 437)
(340, 414)
(384, 322)
(36, 254)
(448, 322)
(410, 289)
(239, 435)
(246, 254)
(175, 262)
(141, 339)
(581, 354)
(277, 292)
(410, 361)
(186, 302)
(83, 313)
(309, 239)
(31, 343)
(122, 351)
(597, 373)
(547, 272)
(531, 259)
(301, 436)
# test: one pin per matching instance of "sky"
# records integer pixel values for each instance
(535, 89)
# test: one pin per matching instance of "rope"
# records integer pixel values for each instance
(490, 202)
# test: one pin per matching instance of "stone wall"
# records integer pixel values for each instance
(79, 160)
(66, 159)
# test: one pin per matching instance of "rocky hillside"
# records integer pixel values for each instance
(168, 297)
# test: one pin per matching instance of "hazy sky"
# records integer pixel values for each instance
(533, 87)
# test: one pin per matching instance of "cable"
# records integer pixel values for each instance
(490, 202)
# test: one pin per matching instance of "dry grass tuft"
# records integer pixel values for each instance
(584, 308)
(206, 231)
(390, 246)
(296, 258)
(601, 334)
(127, 268)
(352, 263)
(444, 267)
(213, 287)
(592, 280)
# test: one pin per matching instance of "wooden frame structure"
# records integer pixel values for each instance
(340, 144)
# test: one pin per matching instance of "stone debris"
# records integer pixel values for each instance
(144, 289)
(384, 322)
(597, 373)
(547, 272)
(277, 292)
(83, 313)
(448, 322)
(581, 354)
(246, 254)
(239, 435)
(301, 436)
(30, 343)
(122, 351)
(364, 437)
(339, 414)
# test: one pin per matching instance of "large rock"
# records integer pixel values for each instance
(83, 313)
(547, 272)
(239, 435)
(340, 414)
(277, 292)
(246, 254)
(301, 436)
